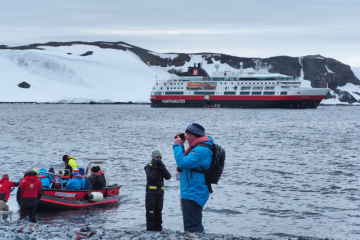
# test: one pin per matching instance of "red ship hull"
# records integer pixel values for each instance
(236, 101)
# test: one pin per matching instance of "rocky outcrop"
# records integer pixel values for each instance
(87, 53)
(345, 96)
(24, 85)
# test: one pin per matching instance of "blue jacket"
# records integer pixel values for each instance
(192, 184)
(76, 183)
(46, 180)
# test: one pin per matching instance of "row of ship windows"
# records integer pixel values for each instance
(235, 88)
(231, 83)
(223, 93)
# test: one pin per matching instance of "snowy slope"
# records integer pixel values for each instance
(55, 76)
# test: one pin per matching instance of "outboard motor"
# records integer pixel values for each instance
(96, 196)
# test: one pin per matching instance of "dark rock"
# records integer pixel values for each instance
(87, 53)
(92, 234)
(69, 53)
(329, 96)
(24, 85)
(345, 96)
(85, 229)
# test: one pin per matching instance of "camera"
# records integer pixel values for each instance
(180, 135)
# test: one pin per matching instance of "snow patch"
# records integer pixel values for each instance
(329, 71)
(47, 68)
(124, 45)
(165, 55)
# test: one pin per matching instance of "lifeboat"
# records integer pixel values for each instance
(208, 86)
(64, 199)
(194, 85)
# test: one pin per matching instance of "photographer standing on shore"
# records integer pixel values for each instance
(154, 200)
(194, 191)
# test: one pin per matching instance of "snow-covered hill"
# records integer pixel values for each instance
(64, 73)
(60, 74)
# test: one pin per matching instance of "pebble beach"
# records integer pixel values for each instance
(24, 230)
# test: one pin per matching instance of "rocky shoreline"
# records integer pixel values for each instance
(24, 230)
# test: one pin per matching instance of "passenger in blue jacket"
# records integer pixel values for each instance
(194, 191)
(44, 177)
(77, 182)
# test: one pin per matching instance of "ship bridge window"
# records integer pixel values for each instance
(158, 93)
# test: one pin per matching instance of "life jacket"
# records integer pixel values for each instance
(44, 181)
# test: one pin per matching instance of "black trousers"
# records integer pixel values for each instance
(192, 216)
(154, 205)
(24, 211)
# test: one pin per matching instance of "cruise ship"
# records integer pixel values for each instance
(242, 89)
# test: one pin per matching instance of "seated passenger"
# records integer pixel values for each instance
(88, 184)
(77, 182)
(102, 175)
(45, 178)
(96, 179)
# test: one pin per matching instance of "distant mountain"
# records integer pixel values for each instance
(111, 71)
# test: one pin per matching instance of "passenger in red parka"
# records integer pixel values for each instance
(29, 193)
(5, 190)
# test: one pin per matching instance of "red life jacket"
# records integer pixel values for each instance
(30, 186)
(5, 189)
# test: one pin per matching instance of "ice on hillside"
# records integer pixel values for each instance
(47, 68)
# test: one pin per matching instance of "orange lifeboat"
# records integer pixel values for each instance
(194, 85)
(208, 86)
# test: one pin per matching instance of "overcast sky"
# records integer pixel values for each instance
(251, 28)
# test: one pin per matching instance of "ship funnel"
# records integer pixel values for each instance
(217, 65)
(199, 65)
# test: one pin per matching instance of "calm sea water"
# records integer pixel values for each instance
(288, 172)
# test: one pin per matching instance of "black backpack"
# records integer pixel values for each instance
(213, 174)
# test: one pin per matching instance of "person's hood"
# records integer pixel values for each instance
(43, 170)
(211, 142)
(31, 178)
(4, 180)
(30, 174)
(78, 176)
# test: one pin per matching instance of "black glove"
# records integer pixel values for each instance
(154, 163)
(160, 163)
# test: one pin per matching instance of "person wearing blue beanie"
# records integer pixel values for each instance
(191, 164)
